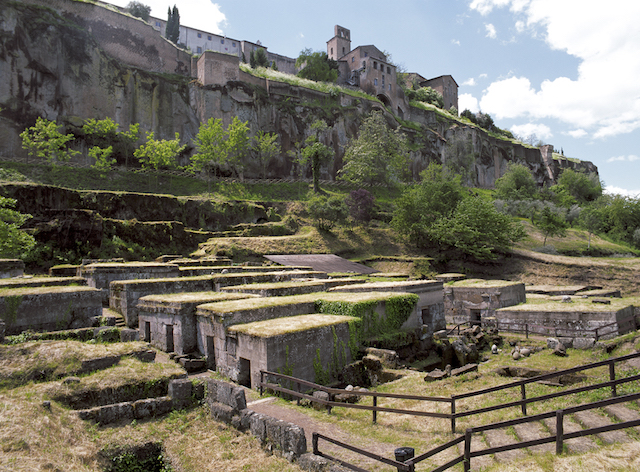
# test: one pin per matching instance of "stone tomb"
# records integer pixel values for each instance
(430, 309)
(168, 321)
(126, 293)
(49, 308)
(101, 275)
(11, 268)
(215, 319)
(566, 317)
(288, 345)
(474, 299)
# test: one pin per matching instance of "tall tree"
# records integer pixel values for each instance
(316, 66)
(316, 153)
(44, 141)
(266, 147)
(172, 31)
(261, 58)
(380, 155)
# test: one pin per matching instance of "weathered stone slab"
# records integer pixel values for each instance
(101, 275)
(24, 282)
(49, 308)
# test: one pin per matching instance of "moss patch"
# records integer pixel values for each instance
(290, 324)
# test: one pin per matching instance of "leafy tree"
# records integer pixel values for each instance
(266, 147)
(172, 30)
(379, 154)
(316, 153)
(14, 242)
(237, 144)
(327, 211)
(551, 223)
(477, 229)
(159, 153)
(592, 219)
(577, 187)
(44, 141)
(261, 58)
(420, 207)
(139, 10)
(252, 60)
(516, 184)
(102, 157)
(317, 66)
(210, 145)
(361, 205)
(104, 134)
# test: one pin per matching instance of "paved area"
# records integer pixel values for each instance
(321, 262)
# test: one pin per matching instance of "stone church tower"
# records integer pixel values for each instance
(340, 44)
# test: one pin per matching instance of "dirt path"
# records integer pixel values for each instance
(310, 425)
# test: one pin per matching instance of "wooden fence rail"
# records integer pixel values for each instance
(454, 400)
(559, 438)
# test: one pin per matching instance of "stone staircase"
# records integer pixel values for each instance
(537, 430)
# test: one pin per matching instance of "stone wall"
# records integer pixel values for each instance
(474, 299)
(217, 68)
(49, 308)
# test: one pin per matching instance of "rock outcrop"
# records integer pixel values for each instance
(93, 62)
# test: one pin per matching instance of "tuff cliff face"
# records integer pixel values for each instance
(69, 61)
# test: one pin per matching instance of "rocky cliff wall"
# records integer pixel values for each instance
(76, 61)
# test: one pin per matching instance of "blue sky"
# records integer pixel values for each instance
(567, 71)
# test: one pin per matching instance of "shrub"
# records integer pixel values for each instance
(327, 211)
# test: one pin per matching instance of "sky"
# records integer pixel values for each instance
(566, 71)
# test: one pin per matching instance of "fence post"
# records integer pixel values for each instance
(467, 450)
(559, 431)
(596, 331)
(526, 330)
(261, 382)
(314, 442)
(375, 413)
(453, 414)
(298, 390)
(523, 392)
(612, 376)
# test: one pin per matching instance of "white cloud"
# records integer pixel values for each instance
(456, 42)
(577, 133)
(621, 191)
(520, 26)
(483, 76)
(629, 158)
(604, 99)
(541, 131)
(466, 101)
(200, 14)
(471, 82)
(491, 31)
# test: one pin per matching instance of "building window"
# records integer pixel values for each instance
(233, 44)
(366, 54)
(364, 64)
(222, 41)
(199, 35)
(389, 87)
(375, 81)
(209, 37)
(199, 50)
(158, 24)
(383, 80)
(343, 53)
(353, 59)
(375, 65)
(332, 51)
